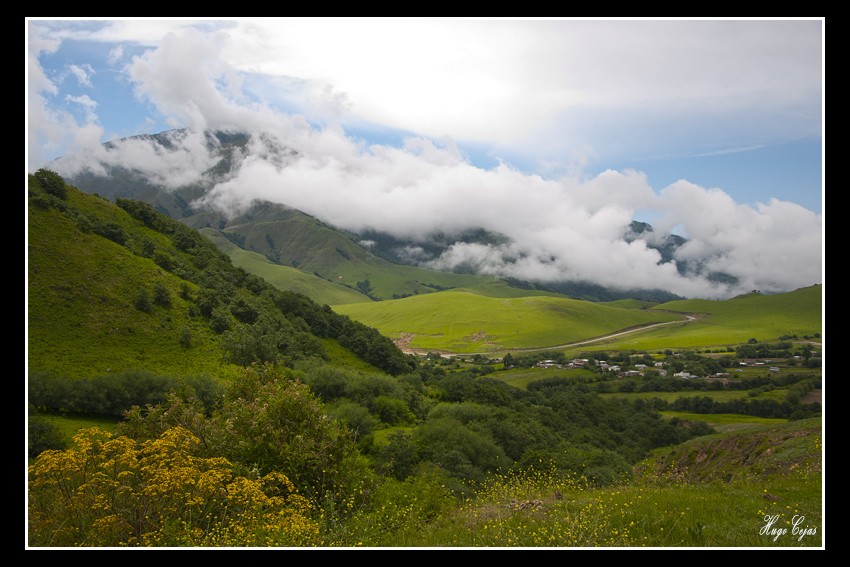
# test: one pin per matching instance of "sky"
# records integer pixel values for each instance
(556, 133)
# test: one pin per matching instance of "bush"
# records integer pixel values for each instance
(115, 492)
(42, 435)
(161, 295)
(142, 301)
(52, 183)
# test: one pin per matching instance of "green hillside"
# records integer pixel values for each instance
(115, 287)
(291, 238)
(466, 321)
(81, 291)
(284, 277)
(753, 316)
(758, 452)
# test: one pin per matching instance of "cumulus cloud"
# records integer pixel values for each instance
(558, 228)
(82, 73)
(48, 127)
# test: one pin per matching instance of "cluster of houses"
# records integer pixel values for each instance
(636, 369)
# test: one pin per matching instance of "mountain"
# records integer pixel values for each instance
(115, 287)
(374, 263)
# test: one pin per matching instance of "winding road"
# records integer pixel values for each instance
(688, 318)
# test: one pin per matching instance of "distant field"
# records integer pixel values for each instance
(522, 377)
(725, 422)
(467, 321)
(472, 320)
(734, 321)
(69, 425)
(716, 395)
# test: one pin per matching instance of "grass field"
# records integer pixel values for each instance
(716, 395)
(471, 320)
(522, 377)
(466, 321)
(734, 321)
(726, 422)
(69, 425)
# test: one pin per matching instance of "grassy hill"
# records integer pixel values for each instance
(285, 277)
(759, 452)
(81, 291)
(119, 287)
(734, 321)
(492, 319)
(468, 321)
(291, 238)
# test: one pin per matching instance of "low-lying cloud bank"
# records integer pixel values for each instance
(566, 229)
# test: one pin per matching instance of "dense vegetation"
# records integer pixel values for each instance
(255, 427)
(151, 273)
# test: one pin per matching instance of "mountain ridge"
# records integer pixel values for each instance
(185, 203)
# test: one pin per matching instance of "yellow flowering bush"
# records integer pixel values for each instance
(111, 491)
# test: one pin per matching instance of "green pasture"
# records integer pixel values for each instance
(734, 321)
(464, 321)
(725, 422)
(716, 395)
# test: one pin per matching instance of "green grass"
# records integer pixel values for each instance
(522, 377)
(70, 425)
(344, 358)
(668, 504)
(734, 321)
(725, 422)
(715, 491)
(466, 321)
(284, 277)
(716, 395)
(493, 320)
(81, 320)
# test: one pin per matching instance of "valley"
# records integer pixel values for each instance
(471, 401)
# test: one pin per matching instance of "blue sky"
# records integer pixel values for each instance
(733, 108)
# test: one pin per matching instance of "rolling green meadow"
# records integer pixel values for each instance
(184, 391)
(467, 321)
(478, 323)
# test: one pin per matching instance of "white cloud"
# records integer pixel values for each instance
(115, 55)
(421, 77)
(48, 127)
(82, 73)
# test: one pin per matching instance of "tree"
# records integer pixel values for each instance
(270, 421)
(42, 435)
(161, 295)
(399, 456)
(508, 360)
(142, 301)
(185, 337)
(52, 183)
